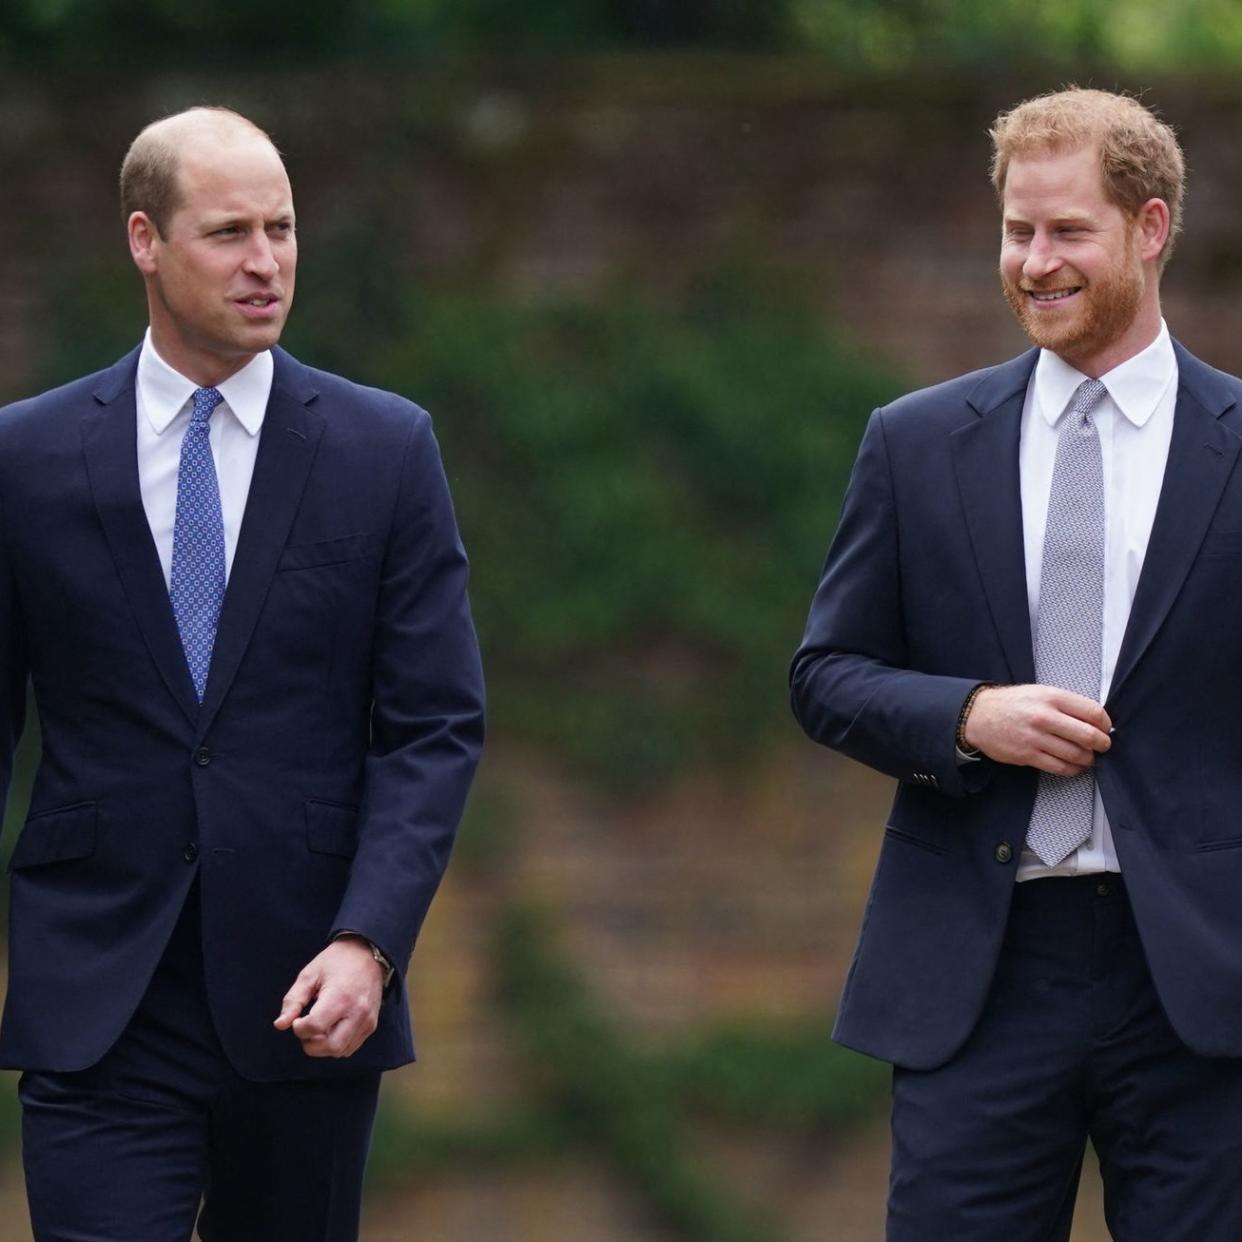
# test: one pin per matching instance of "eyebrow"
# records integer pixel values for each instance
(211, 224)
(1074, 218)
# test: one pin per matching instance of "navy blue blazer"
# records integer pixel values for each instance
(318, 786)
(923, 595)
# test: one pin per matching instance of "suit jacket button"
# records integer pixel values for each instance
(1003, 852)
(190, 853)
(202, 756)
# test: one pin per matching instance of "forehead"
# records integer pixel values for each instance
(1040, 181)
(244, 177)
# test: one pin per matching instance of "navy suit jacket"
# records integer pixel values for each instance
(923, 596)
(318, 786)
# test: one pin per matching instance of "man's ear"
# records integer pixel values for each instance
(1153, 225)
(144, 239)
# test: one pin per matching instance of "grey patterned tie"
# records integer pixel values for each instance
(1070, 626)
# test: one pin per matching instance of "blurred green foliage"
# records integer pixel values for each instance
(787, 1076)
(880, 35)
(613, 1096)
(190, 30)
(646, 492)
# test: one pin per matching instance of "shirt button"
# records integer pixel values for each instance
(1003, 852)
(1104, 888)
(202, 756)
(190, 853)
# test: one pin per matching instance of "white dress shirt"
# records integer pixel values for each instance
(1135, 424)
(163, 399)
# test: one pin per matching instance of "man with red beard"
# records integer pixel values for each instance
(1030, 616)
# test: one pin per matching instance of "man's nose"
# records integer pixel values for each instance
(260, 258)
(1041, 258)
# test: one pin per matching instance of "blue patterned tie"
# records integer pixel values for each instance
(196, 585)
(1070, 626)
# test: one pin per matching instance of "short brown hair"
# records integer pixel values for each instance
(1140, 158)
(149, 181)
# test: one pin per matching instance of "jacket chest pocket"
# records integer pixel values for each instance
(345, 552)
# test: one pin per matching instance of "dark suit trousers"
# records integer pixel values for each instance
(1073, 1044)
(126, 1150)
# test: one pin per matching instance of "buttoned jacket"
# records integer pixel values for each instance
(319, 784)
(923, 596)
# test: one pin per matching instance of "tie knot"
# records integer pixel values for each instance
(205, 400)
(1086, 397)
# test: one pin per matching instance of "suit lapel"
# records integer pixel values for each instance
(109, 444)
(1202, 454)
(985, 457)
(287, 445)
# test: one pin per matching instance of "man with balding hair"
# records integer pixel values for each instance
(236, 586)
(1029, 618)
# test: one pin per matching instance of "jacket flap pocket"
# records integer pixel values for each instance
(56, 836)
(1222, 543)
(924, 842)
(331, 828)
(325, 552)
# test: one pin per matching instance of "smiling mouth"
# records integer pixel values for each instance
(1053, 295)
(259, 299)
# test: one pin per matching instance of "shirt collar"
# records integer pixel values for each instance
(166, 392)
(1136, 385)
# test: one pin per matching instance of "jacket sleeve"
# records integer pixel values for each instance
(427, 712)
(12, 667)
(851, 685)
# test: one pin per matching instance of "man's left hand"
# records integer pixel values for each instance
(343, 987)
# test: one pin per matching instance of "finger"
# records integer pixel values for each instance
(1084, 709)
(1067, 751)
(1057, 767)
(1045, 740)
(1054, 765)
(315, 1047)
(341, 1041)
(317, 1023)
(1080, 734)
(332, 1006)
(1066, 717)
(345, 1036)
(296, 999)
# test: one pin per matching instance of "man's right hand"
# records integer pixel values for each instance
(1040, 727)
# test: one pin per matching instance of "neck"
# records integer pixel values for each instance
(1143, 330)
(204, 369)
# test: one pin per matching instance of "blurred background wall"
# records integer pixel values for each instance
(650, 266)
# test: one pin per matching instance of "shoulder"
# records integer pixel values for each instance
(51, 412)
(954, 402)
(1212, 387)
(347, 405)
